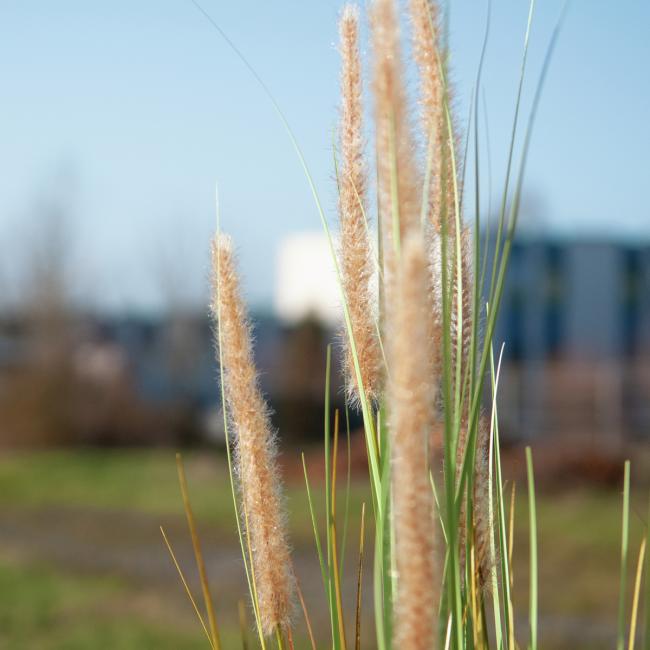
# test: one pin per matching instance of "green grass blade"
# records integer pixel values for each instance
(378, 592)
(503, 261)
(335, 559)
(499, 489)
(362, 535)
(503, 538)
(476, 288)
(382, 578)
(346, 514)
(511, 151)
(312, 514)
(331, 589)
(532, 524)
(389, 569)
(436, 499)
(486, 243)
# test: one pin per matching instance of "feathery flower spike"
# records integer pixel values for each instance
(397, 177)
(411, 407)
(430, 56)
(255, 446)
(355, 254)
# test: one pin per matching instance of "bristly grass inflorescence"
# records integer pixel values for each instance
(410, 399)
(415, 362)
(356, 256)
(259, 484)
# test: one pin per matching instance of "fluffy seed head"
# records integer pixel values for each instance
(411, 407)
(397, 177)
(356, 253)
(460, 324)
(430, 56)
(255, 457)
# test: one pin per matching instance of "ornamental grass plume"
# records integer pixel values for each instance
(429, 385)
(255, 458)
(397, 176)
(355, 255)
(444, 172)
(443, 177)
(436, 115)
(424, 21)
(411, 407)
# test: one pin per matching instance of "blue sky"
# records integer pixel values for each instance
(128, 113)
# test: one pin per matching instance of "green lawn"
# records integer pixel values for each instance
(138, 480)
(114, 501)
(144, 481)
(49, 610)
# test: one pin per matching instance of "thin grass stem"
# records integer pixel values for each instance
(625, 532)
(635, 600)
(198, 555)
(310, 631)
(188, 591)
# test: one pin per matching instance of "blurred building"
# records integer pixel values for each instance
(575, 320)
(305, 283)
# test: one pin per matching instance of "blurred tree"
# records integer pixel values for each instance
(37, 392)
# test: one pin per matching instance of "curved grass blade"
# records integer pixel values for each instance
(493, 435)
(314, 524)
(188, 591)
(532, 526)
(504, 551)
(503, 262)
(511, 151)
(365, 404)
(362, 535)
